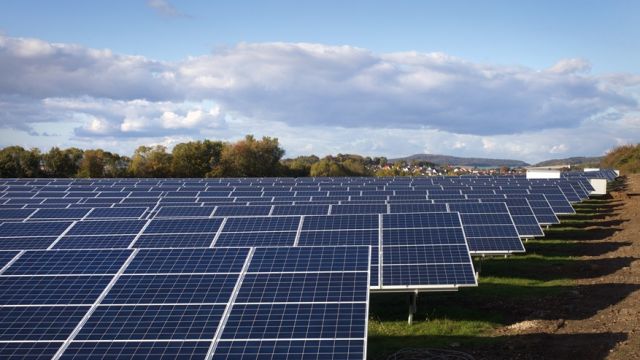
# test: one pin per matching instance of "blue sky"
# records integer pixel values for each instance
(529, 80)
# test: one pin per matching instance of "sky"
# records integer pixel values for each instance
(529, 80)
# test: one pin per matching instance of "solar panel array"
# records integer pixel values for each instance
(243, 268)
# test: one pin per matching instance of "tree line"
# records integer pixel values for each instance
(249, 157)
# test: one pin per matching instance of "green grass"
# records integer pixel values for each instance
(460, 317)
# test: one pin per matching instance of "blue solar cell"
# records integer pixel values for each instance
(152, 322)
(107, 227)
(431, 254)
(48, 290)
(222, 260)
(486, 219)
(479, 208)
(340, 222)
(359, 209)
(274, 238)
(49, 214)
(174, 241)
(94, 242)
(185, 211)
(420, 220)
(120, 212)
(296, 321)
(474, 231)
(161, 289)
(69, 262)
(417, 208)
(29, 350)
(290, 349)
(300, 287)
(37, 323)
(254, 210)
(157, 350)
(495, 245)
(15, 214)
(183, 226)
(301, 210)
(280, 223)
(310, 259)
(26, 243)
(338, 237)
(6, 257)
(32, 229)
(434, 236)
(431, 275)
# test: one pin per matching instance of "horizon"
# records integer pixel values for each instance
(372, 79)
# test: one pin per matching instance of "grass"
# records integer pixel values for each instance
(463, 318)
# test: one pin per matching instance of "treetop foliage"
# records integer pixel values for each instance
(249, 157)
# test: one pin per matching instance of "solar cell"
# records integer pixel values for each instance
(220, 260)
(94, 242)
(254, 224)
(107, 227)
(174, 240)
(49, 290)
(120, 212)
(39, 322)
(161, 289)
(152, 322)
(183, 226)
(33, 229)
(68, 262)
(272, 238)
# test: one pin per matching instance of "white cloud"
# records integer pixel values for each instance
(164, 8)
(570, 66)
(325, 99)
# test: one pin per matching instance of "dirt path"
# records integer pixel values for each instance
(600, 317)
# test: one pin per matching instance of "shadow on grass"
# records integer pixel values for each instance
(584, 223)
(572, 248)
(495, 304)
(546, 268)
(578, 234)
(528, 347)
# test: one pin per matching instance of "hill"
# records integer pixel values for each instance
(461, 161)
(576, 160)
(625, 158)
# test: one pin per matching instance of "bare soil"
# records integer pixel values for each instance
(599, 318)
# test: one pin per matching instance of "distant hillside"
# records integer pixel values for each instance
(461, 161)
(576, 160)
(625, 158)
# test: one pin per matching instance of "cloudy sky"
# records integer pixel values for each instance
(529, 81)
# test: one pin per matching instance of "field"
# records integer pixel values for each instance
(574, 294)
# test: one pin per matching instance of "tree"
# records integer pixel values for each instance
(150, 161)
(92, 164)
(59, 163)
(15, 161)
(300, 166)
(196, 158)
(250, 158)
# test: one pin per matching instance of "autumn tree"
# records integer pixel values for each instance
(250, 158)
(196, 158)
(150, 161)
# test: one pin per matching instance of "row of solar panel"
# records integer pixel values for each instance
(206, 303)
(416, 239)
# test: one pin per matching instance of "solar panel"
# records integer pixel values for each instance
(107, 227)
(183, 226)
(32, 229)
(68, 262)
(59, 214)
